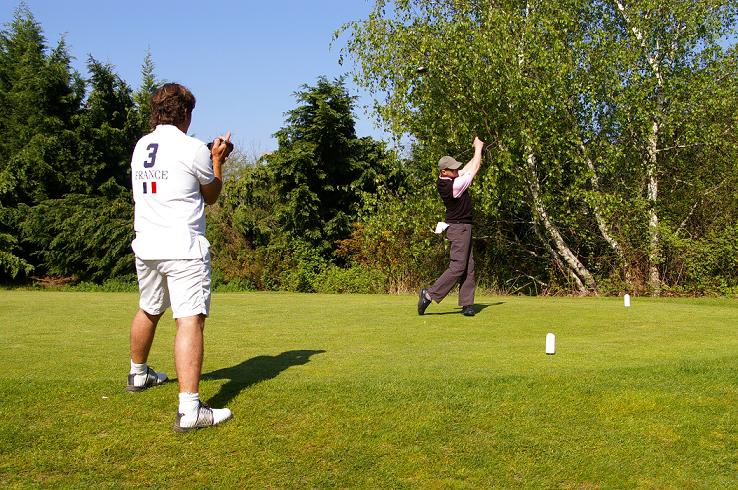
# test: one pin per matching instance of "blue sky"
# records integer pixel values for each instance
(243, 60)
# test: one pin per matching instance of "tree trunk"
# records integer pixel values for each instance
(654, 252)
(563, 268)
(654, 278)
(601, 224)
(585, 281)
(560, 251)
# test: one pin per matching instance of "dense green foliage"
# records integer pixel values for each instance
(280, 222)
(611, 127)
(65, 144)
(610, 162)
(65, 190)
(84, 236)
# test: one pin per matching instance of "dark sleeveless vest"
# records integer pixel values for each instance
(458, 210)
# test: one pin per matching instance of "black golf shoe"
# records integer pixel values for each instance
(423, 301)
(468, 310)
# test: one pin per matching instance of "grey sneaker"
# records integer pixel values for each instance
(151, 378)
(206, 417)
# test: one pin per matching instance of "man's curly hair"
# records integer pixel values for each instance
(171, 104)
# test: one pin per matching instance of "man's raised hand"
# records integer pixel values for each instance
(222, 147)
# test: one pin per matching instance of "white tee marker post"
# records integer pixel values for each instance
(626, 300)
(550, 344)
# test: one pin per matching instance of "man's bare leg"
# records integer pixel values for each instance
(188, 354)
(143, 329)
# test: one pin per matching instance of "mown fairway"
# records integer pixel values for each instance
(360, 391)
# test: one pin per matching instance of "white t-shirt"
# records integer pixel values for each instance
(167, 169)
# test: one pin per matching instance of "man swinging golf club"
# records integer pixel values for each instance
(453, 184)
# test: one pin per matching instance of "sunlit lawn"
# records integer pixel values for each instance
(359, 391)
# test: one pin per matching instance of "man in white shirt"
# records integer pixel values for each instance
(173, 177)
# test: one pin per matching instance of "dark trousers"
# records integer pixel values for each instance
(460, 268)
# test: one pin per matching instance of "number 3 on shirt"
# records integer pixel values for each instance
(154, 147)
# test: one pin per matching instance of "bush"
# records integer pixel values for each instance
(395, 237)
(82, 236)
(235, 286)
(127, 284)
(288, 264)
(703, 266)
(305, 265)
(356, 279)
(12, 264)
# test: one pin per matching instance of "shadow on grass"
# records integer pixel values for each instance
(477, 308)
(252, 371)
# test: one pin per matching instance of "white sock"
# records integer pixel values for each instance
(188, 404)
(138, 368)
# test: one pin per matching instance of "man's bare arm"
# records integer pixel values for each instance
(473, 166)
(220, 151)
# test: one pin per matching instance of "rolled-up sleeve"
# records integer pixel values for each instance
(461, 183)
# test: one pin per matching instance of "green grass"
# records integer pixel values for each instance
(360, 391)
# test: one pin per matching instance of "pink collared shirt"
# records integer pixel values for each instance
(461, 183)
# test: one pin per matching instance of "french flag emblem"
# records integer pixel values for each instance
(153, 187)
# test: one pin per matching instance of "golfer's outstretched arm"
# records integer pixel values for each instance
(473, 166)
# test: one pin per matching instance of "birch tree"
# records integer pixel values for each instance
(591, 108)
(662, 100)
(449, 70)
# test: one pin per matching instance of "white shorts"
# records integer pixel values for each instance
(182, 284)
